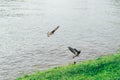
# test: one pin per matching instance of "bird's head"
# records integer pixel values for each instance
(79, 52)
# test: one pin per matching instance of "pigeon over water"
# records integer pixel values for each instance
(52, 32)
(74, 51)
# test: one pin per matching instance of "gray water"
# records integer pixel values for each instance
(92, 26)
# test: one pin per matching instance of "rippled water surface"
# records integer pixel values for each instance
(92, 26)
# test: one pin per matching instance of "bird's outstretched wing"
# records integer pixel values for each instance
(54, 29)
(72, 50)
(76, 50)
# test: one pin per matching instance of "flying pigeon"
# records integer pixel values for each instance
(74, 51)
(52, 32)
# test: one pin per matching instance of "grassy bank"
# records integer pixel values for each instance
(103, 68)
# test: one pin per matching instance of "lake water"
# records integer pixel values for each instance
(92, 26)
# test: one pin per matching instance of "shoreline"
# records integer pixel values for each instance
(107, 62)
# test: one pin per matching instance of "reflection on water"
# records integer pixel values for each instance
(89, 25)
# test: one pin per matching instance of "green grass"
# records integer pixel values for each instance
(103, 68)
